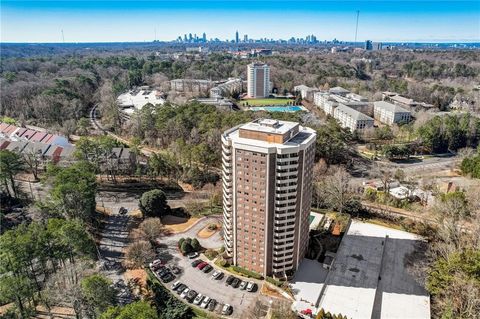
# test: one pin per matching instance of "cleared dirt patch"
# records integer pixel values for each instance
(205, 232)
(176, 224)
(267, 291)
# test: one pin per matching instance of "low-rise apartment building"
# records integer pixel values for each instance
(329, 101)
(232, 85)
(389, 113)
(306, 92)
(351, 118)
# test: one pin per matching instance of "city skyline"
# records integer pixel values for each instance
(127, 21)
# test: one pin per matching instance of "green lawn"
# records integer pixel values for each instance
(262, 102)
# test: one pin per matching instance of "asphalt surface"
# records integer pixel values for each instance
(195, 279)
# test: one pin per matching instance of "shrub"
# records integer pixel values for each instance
(180, 242)
(186, 248)
(211, 253)
(212, 227)
(273, 281)
(222, 250)
(222, 263)
(195, 244)
(247, 273)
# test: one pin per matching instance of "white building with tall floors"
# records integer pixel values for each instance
(258, 80)
(267, 190)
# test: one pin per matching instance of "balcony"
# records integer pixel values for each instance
(283, 266)
(284, 230)
(227, 176)
(226, 164)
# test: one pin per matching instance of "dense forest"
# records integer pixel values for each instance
(57, 91)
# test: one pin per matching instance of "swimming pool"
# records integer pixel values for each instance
(278, 108)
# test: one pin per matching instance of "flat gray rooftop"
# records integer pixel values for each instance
(371, 276)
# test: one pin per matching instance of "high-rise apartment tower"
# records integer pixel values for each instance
(258, 80)
(267, 190)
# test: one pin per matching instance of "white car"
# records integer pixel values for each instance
(205, 302)
(184, 293)
(250, 286)
(155, 264)
(243, 285)
(198, 299)
(227, 309)
(193, 255)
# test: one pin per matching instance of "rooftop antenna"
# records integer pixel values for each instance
(63, 37)
(356, 27)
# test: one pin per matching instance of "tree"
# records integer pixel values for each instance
(74, 190)
(336, 188)
(98, 294)
(138, 254)
(17, 289)
(150, 229)
(154, 203)
(10, 165)
(333, 143)
(134, 310)
(454, 282)
(64, 288)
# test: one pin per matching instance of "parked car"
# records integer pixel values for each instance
(191, 295)
(202, 265)
(181, 288)
(205, 302)
(235, 282)
(229, 280)
(227, 309)
(251, 286)
(184, 293)
(212, 305)
(207, 269)
(198, 299)
(243, 285)
(195, 263)
(162, 271)
(168, 277)
(193, 255)
(217, 274)
(155, 264)
(175, 285)
(176, 270)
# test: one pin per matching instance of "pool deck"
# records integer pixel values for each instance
(277, 108)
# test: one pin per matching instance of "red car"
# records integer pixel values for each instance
(202, 265)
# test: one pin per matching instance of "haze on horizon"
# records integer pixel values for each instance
(136, 21)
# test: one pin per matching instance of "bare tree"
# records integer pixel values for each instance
(63, 287)
(335, 188)
(150, 229)
(138, 254)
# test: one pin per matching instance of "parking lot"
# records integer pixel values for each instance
(240, 300)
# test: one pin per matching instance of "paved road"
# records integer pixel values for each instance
(195, 279)
(114, 239)
(430, 163)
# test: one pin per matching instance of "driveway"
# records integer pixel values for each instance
(241, 300)
(114, 239)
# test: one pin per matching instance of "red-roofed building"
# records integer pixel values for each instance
(4, 144)
(38, 137)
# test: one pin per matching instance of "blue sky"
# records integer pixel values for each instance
(112, 21)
